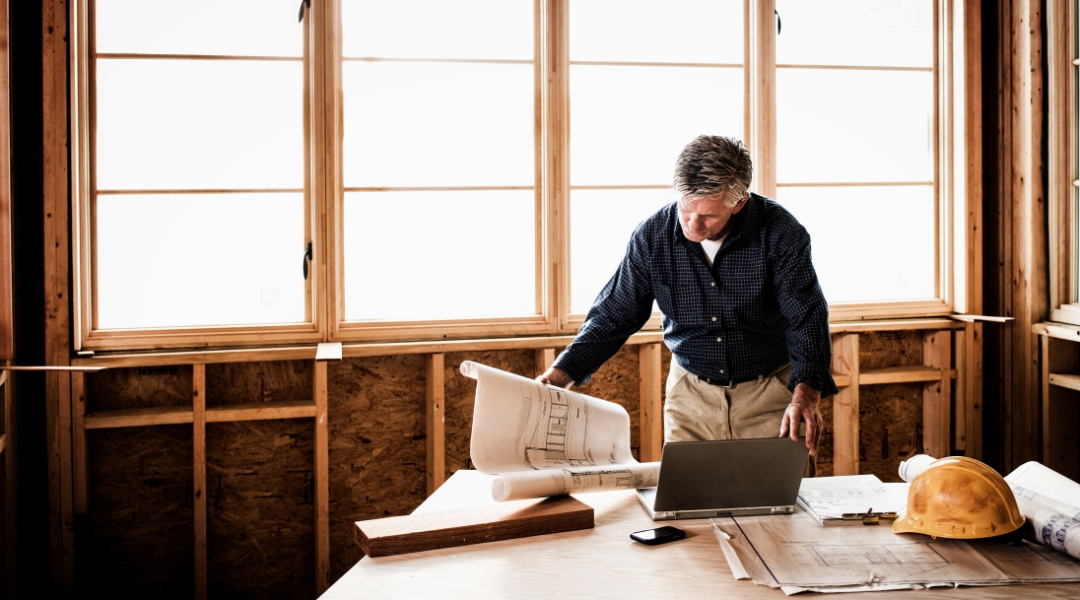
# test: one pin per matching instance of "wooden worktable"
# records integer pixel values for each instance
(592, 563)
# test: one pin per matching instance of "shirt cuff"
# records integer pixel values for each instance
(815, 376)
(576, 371)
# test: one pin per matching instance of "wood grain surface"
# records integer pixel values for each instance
(474, 525)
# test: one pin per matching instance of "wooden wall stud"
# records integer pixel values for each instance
(198, 402)
(651, 403)
(436, 432)
(937, 395)
(845, 362)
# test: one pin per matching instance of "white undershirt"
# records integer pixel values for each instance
(711, 247)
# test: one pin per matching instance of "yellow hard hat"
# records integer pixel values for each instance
(959, 497)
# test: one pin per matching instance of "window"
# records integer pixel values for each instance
(197, 188)
(1063, 62)
(421, 169)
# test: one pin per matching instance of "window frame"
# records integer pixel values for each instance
(324, 188)
(1063, 172)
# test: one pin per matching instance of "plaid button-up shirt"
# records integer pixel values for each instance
(758, 307)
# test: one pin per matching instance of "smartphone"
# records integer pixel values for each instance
(659, 535)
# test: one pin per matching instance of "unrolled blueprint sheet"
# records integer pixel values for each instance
(796, 554)
(831, 497)
(543, 440)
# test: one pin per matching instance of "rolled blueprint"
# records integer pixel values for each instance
(1051, 504)
(1050, 527)
(553, 482)
(520, 424)
(910, 468)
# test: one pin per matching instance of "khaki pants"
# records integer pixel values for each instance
(695, 410)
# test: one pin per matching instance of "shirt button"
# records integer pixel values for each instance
(712, 283)
(719, 339)
(714, 318)
(721, 371)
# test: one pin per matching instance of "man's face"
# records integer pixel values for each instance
(706, 217)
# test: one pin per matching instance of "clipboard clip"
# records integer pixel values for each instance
(870, 517)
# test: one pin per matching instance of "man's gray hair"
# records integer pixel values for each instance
(711, 165)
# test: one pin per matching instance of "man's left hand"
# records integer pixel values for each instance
(804, 409)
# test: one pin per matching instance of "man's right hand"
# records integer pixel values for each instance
(556, 377)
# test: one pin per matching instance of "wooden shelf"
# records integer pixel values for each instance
(261, 411)
(136, 417)
(1066, 380)
(908, 374)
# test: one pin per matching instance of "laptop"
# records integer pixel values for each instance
(726, 478)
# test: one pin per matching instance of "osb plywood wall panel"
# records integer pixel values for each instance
(890, 349)
(461, 395)
(260, 509)
(890, 427)
(824, 457)
(234, 383)
(136, 541)
(139, 387)
(378, 452)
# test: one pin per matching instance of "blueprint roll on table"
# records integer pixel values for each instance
(1051, 504)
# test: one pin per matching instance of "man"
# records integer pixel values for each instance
(743, 314)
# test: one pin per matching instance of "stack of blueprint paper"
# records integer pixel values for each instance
(828, 499)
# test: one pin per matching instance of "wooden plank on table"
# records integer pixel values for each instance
(463, 527)
(198, 404)
(651, 402)
(328, 351)
(846, 405)
(261, 411)
(138, 417)
(903, 374)
(1065, 380)
(78, 441)
(322, 479)
(937, 395)
(436, 428)
(545, 357)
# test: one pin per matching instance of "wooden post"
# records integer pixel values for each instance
(545, 357)
(78, 441)
(960, 408)
(1044, 392)
(845, 361)
(436, 432)
(937, 396)
(198, 401)
(55, 189)
(11, 485)
(651, 403)
(322, 481)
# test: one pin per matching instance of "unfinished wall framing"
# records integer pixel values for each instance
(222, 453)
